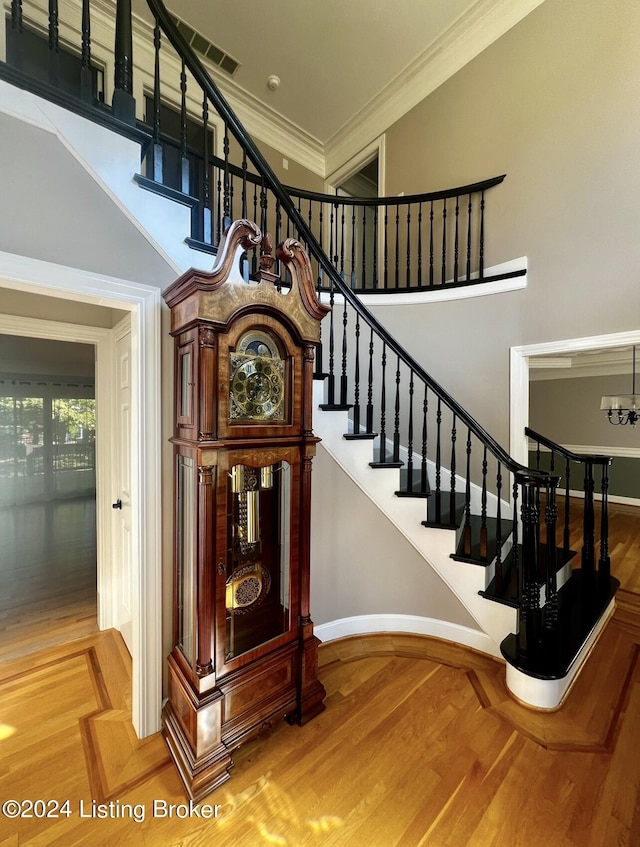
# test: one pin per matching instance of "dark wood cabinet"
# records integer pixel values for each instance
(244, 651)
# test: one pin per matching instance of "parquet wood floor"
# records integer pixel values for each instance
(420, 744)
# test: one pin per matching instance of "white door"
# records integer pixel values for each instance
(122, 521)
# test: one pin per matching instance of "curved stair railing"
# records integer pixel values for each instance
(559, 459)
(470, 484)
(394, 400)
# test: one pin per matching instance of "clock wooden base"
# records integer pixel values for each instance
(202, 729)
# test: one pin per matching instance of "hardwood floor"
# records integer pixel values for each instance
(47, 575)
(420, 744)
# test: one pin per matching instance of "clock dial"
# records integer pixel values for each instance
(256, 384)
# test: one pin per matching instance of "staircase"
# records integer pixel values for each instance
(485, 523)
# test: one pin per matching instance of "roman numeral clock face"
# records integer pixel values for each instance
(256, 384)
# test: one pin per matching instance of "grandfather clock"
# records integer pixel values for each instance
(244, 651)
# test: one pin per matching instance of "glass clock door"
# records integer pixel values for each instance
(257, 590)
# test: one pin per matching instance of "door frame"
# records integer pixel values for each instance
(144, 304)
(519, 378)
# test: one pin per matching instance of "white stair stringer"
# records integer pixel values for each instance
(112, 161)
(435, 545)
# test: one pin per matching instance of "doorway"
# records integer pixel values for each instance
(33, 277)
(48, 563)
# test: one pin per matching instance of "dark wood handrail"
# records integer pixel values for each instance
(595, 458)
(260, 163)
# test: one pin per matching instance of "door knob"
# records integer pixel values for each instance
(117, 504)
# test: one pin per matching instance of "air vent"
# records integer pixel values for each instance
(206, 48)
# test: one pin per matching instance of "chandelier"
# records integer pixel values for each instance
(622, 409)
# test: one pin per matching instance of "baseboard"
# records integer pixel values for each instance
(413, 624)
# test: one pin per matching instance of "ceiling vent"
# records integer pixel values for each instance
(206, 48)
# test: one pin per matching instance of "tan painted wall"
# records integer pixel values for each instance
(554, 104)
(361, 564)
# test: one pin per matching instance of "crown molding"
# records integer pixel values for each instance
(468, 36)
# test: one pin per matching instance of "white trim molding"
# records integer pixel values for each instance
(465, 39)
(519, 377)
(413, 624)
(444, 293)
(144, 303)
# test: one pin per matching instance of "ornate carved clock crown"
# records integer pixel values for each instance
(244, 650)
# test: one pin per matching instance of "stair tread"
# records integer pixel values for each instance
(474, 555)
(509, 592)
(581, 603)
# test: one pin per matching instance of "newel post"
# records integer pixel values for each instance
(124, 105)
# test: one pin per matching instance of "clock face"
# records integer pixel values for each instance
(256, 385)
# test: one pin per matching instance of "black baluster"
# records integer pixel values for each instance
(207, 233)
(516, 569)
(123, 104)
(431, 269)
(54, 43)
(551, 580)
(363, 284)
(537, 455)
(438, 459)
(452, 477)
(397, 250)
(226, 205)
(604, 563)
(469, 214)
(332, 224)
(185, 169)
(566, 534)
(408, 280)
(481, 255)
(444, 242)
(86, 80)
(424, 477)
(157, 154)
(530, 601)
(383, 404)
(321, 240)
(419, 277)
(18, 29)
(356, 380)
(342, 241)
(370, 386)
(483, 508)
(455, 243)
(498, 566)
(353, 247)
(219, 209)
(376, 282)
(410, 437)
(386, 249)
(331, 379)
(396, 418)
(279, 236)
(263, 206)
(244, 195)
(343, 376)
(231, 214)
(467, 498)
(588, 536)
(552, 464)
